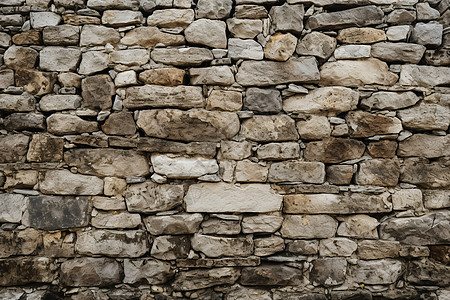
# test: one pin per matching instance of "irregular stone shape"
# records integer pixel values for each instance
(438, 57)
(426, 13)
(328, 271)
(359, 17)
(216, 75)
(96, 35)
(120, 123)
(30, 37)
(66, 35)
(207, 32)
(340, 174)
(17, 57)
(162, 96)
(147, 270)
(347, 203)
(150, 36)
(163, 76)
(303, 247)
(248, 171)
(390, 100)
(214, 9)
(436, 199)
(382, 149)
(63, 182)
(428, 34)
(13, 148)
(429, 229)
(171, 18)
(376, 249)
(204, 278)
(398, 33)
(224, 100)
(150, 197)
(80, 20)
(317, 44)
(425, 173)
(401, 17)
(191, 125)
(168, 247)
(382, 172)
(271, 275)
(93, 62)
(308, 226)
(269, 245)
(364, 124)
(116, 220)
(273, 128)
(426, 76)
(337, 247)
(195, 148)
(244, 49)
(173, 224)
(263, 73)
(60, 124)
(428, 272)
(237, 292)
(280, 46)
(213, 246)
(182, 56)
(309, 172)
(118, 18)
(22, 178)
(425, 116)
(383, 271)
(287, 18)
(407, 199)
(314, 127)
(355, 73)
(12, 207)
(35, 82)
(5, 40)
(59, 59)
(398, 52)
(219, 262)
(24, 121)
(17, 103)
(53, 212)
(70, 3)
(130, 243)
(99, 162)
(130, 57)
(359, 226)
(6, 78)
(221, 226)
(224, 197)
(235, 150)
(334, 150)
(59, 102)
(352, 51)
(263, 100)
(89, 271)
(183, 167)
(244, 29)
(42, 269)
(19, 242)
(365, 35)
(279, 151)
(429, 146)
(45, 18)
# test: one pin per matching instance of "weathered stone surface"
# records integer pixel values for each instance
(425, 173)
(19, 242)
(216, 75)
(398, 52)
(12, 207)
(120, 123)
(21, 179)
(191, 125)
(171, 18)
(96, 35)
(383, 271)
(219, 262)
(131, 243)
(61, 35)
(261, 223)
(148, 271)
(347, 203)
(217, 225)
(365, 35)
(272, 128)
(356, 72)
(428, 272)
(118, 18)
(223, 197)
(271, 275)
(429, 146)
(6, 78)
(63, 182)
(328, 271)
(433, 199)
(359, 226)
(13, 148)
(224, 100)
(334, 150)
(337, 247)
(97, 91)
(150, 37)
(382, 172)
(352, 51)
(163, 146)
(429, 229)
(317, 44)
(439, 57)
(174, 224)
(314, 127)
(24, 121)
(382, 149)
(360, 16)
(340, 174)
(364, 124)
(69, 80)
(89, 271)
(263, 73)
(308, 226)
(60, 124)
(303, 247)
(130, 57)
(42, 19)
(203, 278)
(80, 20)
(280, 46)
(69, 3)
(113, 4)
(427, 76)
(163, 76)
(237, 292)
(5, 40)
(243, 28)
(279, 151)
(93, 62)
(428, 34)
(398, 33)
(390, 100)
(215, 9)
(287, 18)
(207, 32)
(169, 247)
(116, 220)
(40, 269)
(16, 103)
(60, 59)
(407, 199)
(244, 49)
(376, 249)
(309, 172)
(59, 102)
(213, 246)
(425, 116)
(30, 37)
(183, 167)
(268, 245)
(35, 82)
(401, 17)
(263, 100)
(17, 57)
(99, 162)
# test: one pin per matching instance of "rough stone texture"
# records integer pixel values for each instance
(263, 100)
(308, 226)
(390, 100)
(280, 47)
(207, 32)
(150, 37)
(427, 76)
(271, 276)
(203, 278)
(42, 269)
(18, 103)
(91, 272)
(337, 247)
(381, 172)
(221, 75)
(176, 224)
(359, 226)
(328, 271)
(19, 242)
(360, 16)
(298, 171)
(398, 52)
(425, 116)
(274, 128)
(317, 44)
(93, 35)
(425, 173)
(174, 166)
(59, 59)
(334, 150)
(244, 29)
(436, 146)
(365, 35)
(427, 271)
(163, 76)
(149, 271)
(17, 57)
(377, 271)
(244, 49)
(221, 246)
(363, 124)
(12, 207)
(287, 18)
(168, 247)
(182, 56)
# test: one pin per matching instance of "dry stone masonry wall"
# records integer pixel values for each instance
(224, 149)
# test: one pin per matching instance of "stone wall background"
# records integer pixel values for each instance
(247, 149)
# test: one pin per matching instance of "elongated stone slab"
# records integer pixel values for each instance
(16, 103)
(225, 197)
(308, 226)
(174, 166)
(63, 182)
(182, 56)
(219, 262)
(360, 17)
(427, 76)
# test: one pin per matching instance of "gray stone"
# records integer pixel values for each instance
(308, 226)
(427, 76)
(224, 100)
(334, 150)
(438, 57)
(271, 275)
(407, 199)
(365, 35)
(250, 12)
(207, 32)
(376, 249)
(429, 34)
(215, 9)
(204, 278)
(213, 246)
(314, 127)
(287, 18)
(398, 33)
(425, 116)
(130, 243)
(337, 247)
(12, 207)
(113, 4)
(182, 56)
(280, 46)
(19, 242)
(244, 49)
(401, 17)
(169, 247)
(235, 150)
(435, 199)
(426, 13)
(67, 35)
(24, 121)
(158, 145)
(263, 73)
(118, 18)
(174, 166)
(97, 162)
(45, 18)
(303, 247)
(390, 100)
(244, 28)
(173, 224)
(317, 44)
(382, 172)
(215, 75)
(398, 52)
(130, 57)
(428, 272)
(59, 102)
(328, 271)
(263, 100)
(279, 151)
(429, 146)
(148, 271)
(12, 270)
(425, 173)
(352, 52)
(116, 220)
(17, 103)
(70, 3)
(63, 182)
(237, 292)
(248, 171)
(384, 271)
(171, 18)
(17, 57)
(93, 62)
(6, 78)
(5, 40)
(273, 128)
(219, 226)
(151, 36)
(96, 35)
(13, 148)
(89, 271)
(224, 197)
(360, 17)
(60, 124)
(120, 123)
(268, 245)
(297, 171)
(364, 124)
(59, 59)
(358, 226)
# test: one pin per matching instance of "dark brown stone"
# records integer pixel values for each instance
(220, 262)
(122, 142)
(19, 271)
(45, 148)
(19, 242)
(328, 271)
(334, 150)
(30, 37)
(17, 57)
(382, 149)
(382, 172)
(164, 76)
(440, 253)
(79, 20)
(25, 121)
(35, 82)
(165, 146)
(90, 140)
(97, 92)
(120, 123)
(340, 174)
(272, 275)
(364, 124)
(203, 278)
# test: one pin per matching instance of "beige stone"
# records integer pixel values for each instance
(213, 246)
(215, 75)
(337, 247)
(191, 56)
(425, 116)
(407, 199)
(116, 220)
(359, 226)
(173, 224)
(364, 124)
(224, 100)
(425, 145)
(297, 171)
(382, 172)
(211, 33)
(272, 128)
(308, 226)
(279, 151)
(248, 171)
(365, 35)
(174, 166)
(269, 245)
(262, 223)
(171, 18)
(314, 128)
(150, 36)
(376, 249)
(118, 18)
(64, 182)
(60, 124)
(244, 28)
(280, 46)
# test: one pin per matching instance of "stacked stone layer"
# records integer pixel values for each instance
(224, 149)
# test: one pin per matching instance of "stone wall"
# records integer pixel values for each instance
(224, 149)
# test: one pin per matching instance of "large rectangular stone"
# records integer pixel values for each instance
(19, 242)
(16, 103)
(308, 226)
(174, 166)
(298, 171)
(64, 182)
(13, 148)
(224, 197)
(213, 246)
(427, 76)
(20, 271)
(11, 207)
